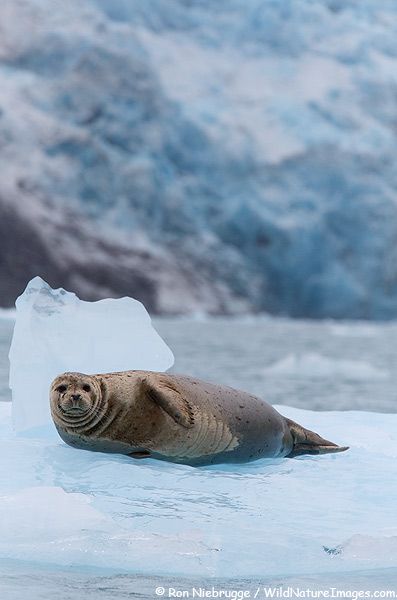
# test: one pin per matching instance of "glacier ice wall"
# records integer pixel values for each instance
(246, 148)
(56, 332)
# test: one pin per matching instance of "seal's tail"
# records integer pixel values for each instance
(308, 442)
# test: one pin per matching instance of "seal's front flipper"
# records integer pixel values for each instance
(140, 454)
(308, 442)
(165, 395)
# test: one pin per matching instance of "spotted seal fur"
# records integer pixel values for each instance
(174, 417)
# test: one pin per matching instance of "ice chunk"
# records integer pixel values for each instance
(52, 514)
(55, 331)
(353, 329)
(370, 548)
(314, 365)
(269, 518)
(7, 314)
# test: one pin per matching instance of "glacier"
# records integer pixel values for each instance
(220, 157)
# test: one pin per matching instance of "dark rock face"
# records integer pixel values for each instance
(110, 272)
(70, 251)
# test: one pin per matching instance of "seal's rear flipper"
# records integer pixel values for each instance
(308, 442)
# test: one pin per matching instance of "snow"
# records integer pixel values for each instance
(56, 332)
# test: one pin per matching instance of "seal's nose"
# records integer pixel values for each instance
(76, 397)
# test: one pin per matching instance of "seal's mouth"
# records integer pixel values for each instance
(76, 411)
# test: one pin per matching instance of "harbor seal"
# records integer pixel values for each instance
(175, 418)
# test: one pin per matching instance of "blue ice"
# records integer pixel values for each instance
(66, 507)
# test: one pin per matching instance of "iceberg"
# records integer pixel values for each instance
(311, 515)
(63, 508)
(316, 366)
(55, 332)
(7, 314)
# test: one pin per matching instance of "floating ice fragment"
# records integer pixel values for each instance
(7, 314)
(55, 331)
(270, 518)
(314, 365)
(355, 329)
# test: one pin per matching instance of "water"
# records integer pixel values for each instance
(240, 352)
(21, 582)
(357, 362)
(318, 366)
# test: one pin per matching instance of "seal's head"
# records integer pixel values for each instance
(74, 397)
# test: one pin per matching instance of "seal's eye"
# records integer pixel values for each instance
(61, 389)
(86, 387)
